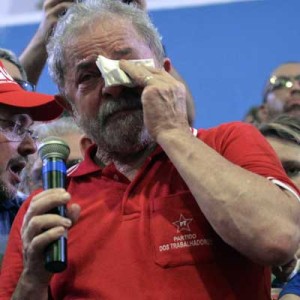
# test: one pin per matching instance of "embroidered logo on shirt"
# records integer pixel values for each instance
(183, 224)
(184, 240)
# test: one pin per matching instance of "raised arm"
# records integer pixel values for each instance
(34, 56)
(248, 211)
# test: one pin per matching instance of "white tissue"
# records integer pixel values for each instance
(112, 73)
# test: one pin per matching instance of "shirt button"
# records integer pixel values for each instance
(116, 177)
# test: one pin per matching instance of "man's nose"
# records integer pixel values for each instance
(27, 146)
(112, 91)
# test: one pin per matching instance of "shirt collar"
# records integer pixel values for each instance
(88, 165)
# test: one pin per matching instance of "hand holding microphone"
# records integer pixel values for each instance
(54, 153)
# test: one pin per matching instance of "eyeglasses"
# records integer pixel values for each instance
(280, 82)
(15, 131)
(25, 85)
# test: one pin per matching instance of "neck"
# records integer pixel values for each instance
(127, 164)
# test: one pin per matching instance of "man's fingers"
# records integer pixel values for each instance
(145, 75)
(58, 10)
(139, 73)
(48, 4)
(41, 241)
(44, 202)
(73, 212)
(40, 224)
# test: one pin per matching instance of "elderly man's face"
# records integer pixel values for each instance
(13, 154)
(114, 117)
(285, 91)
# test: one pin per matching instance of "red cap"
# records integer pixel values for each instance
(41, 107)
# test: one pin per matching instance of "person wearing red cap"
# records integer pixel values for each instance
(14, 67)
(18, 110)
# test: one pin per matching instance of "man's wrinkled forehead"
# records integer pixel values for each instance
(114, 40)
(84, 57)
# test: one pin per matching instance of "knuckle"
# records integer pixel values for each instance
(34, 223)
(54, 233)
(32, 207)
(30, 249)
(24, 238)
(46, 5)
(151, 89)
(24, 253)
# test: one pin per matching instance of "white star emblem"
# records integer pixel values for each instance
(183, 224)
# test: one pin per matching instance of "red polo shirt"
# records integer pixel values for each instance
(148, 239)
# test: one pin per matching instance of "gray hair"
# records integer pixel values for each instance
(82, 14)
(58, 127)
(12, 58)
(284, 127)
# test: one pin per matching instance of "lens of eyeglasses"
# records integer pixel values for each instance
(25, 85)
(283, 82)
(16, 131)
(279, 82)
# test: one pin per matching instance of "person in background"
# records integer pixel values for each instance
(34, 56)
(64, 128)
(253, 116)
(281, 95)
(283, 133)
(17, 72)
(291, 291)
(15, 69)
(18, 110)
(163, 211)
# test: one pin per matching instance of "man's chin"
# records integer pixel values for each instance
(7, 191)
(127, 148)
(6, 194)
(293, 110)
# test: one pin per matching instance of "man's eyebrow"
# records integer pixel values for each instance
(91, 61)
(290, 163)
(122, 52)
(85, 64)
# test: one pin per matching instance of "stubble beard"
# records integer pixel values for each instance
(293, 110)
(118, 129)
(281, 106)
(5, 192)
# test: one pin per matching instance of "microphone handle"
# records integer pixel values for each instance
(54, 176)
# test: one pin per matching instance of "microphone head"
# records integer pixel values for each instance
(53, 147)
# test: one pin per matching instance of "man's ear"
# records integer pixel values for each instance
(84, 143)
(63, 102)
(167, 65)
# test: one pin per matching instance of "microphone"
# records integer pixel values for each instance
(54, 153)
